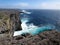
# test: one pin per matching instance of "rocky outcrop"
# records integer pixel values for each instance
(9, 22)
(8, 16)
(45, 38)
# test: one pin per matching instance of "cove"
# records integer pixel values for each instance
(34, 30)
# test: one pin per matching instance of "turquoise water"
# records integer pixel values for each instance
(34, 30)
(31, 21)
(41, 29)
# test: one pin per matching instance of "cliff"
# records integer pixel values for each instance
(9, 22)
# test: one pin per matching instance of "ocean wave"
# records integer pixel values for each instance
(31, 28)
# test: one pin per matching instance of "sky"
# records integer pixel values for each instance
(30, 4)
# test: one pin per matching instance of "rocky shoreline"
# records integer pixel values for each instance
(45, 38)
(10, 22)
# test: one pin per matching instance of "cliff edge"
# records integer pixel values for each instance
(9, 22)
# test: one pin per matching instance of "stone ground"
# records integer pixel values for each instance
(45, 38)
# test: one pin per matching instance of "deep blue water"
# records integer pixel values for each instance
(39, 21)
(43, 17)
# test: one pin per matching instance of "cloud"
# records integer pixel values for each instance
(49, 5)
(24, 4)
(27, 5)
(21, 5)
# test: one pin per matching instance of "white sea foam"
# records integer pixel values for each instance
(31, 28)
(25, 27)
(26, 12)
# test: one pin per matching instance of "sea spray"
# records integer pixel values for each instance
(31, 28)
(38, 30)
(25, 12)
(34, 30)
(24, 25)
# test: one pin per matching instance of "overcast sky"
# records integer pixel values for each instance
(30, 4)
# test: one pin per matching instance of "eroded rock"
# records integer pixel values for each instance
(9, 22)
(45, 38)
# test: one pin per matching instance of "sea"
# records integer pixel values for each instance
(35, 21)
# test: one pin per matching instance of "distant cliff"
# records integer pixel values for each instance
(9, 22)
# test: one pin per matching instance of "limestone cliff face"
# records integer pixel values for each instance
(9, 22)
